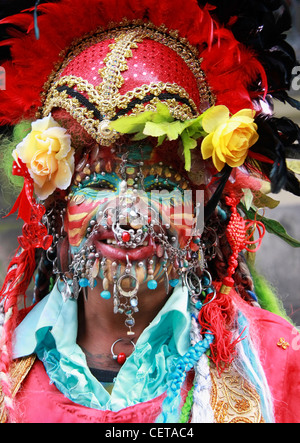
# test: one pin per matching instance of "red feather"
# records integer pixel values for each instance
(230, 68)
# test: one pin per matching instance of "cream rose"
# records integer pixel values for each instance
(229, 138)
(48, 155)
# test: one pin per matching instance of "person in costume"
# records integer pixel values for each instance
(140, 130)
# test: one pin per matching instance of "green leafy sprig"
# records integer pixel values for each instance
(163, 125)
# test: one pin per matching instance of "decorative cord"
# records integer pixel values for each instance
(170, 406)
(187, 407)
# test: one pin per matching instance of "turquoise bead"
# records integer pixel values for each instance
(106, 295)
(94, 284)
(222, 214)
(199, 305)
(205, 281)
(174, 282)
(152, 284)
(83, 282)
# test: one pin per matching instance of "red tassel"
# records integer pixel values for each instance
(219, 315)
(35, 234)
(218, 318)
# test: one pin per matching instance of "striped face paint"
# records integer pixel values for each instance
(87, 203)
(150, 189)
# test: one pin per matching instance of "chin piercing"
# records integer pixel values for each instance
(105, 283)
(126, 301)
(134, 282)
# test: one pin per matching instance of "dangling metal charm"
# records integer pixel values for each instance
(201, 289)
(192, 282)
(166, 281)
(126, 301)
(66, 292)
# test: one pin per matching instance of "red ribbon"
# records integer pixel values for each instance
(25, 201)
(35, 234)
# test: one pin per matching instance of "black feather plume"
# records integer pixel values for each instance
(279, 139)
(261, 25)
(213, 202)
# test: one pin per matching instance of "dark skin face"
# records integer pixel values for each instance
(94, 196)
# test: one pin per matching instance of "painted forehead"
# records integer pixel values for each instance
(129, 164)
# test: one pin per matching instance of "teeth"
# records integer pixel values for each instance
(110, 241)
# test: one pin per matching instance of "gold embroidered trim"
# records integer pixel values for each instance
(161, 34)
(106, 96)
(18, 373)
(115, 64)
(86, 117)
(234, 400)
(120, 101)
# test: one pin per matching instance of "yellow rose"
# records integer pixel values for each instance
(229, 138)
(48, 155)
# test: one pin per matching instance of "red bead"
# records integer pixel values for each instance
(194, 247)
(125, 237)
(121, 358)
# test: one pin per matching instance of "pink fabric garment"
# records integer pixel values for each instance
(41, 402)
(281, 366)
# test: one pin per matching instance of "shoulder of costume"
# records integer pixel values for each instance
(19, 371)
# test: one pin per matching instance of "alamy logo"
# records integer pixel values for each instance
(2, 78)
(296, 79)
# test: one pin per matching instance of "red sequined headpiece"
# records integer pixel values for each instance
(126, 70)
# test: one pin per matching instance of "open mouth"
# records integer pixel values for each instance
(109, 248)
(114, 242)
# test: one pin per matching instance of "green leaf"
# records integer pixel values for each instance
(273, 227)
(248, 198)
(139, 136)
(163, 112)
(155, 129)
(160, 140)
(188, 144)
(162, 124)
(131, 124)
(261, 200)
(294, 165)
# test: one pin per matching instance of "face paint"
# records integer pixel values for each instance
(129, 224)
(87, 203)
(137, 192)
